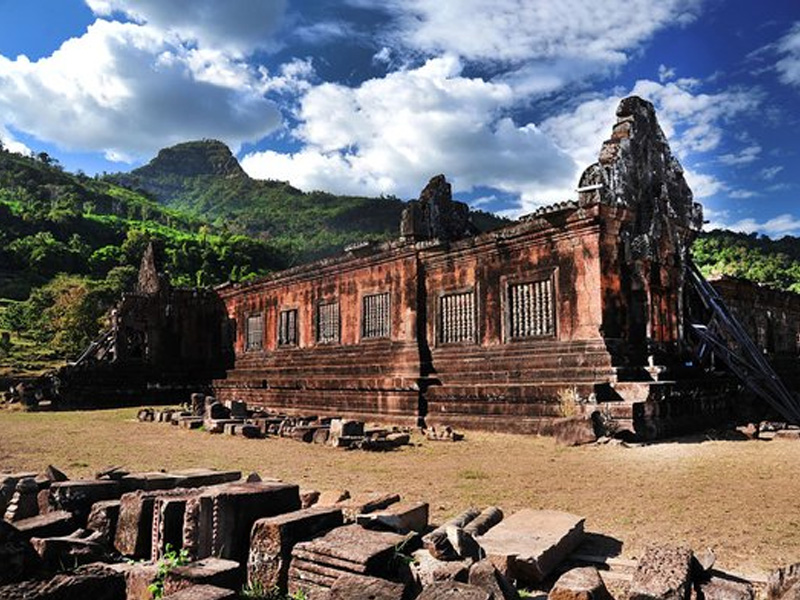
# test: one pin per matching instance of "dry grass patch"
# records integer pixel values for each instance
(736, 497)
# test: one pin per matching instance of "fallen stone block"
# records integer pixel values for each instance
(134, 535)
(583, 583)
(366, 503)
(139, 576)
(43, 500)
(273, 539)
(402, 517)
(18, 558)
(251, 432)
(427, 570)
(663, 572)
(217, 411)
(163, 416)
(238, 409)
(399, 439)
(203, 592)
(309, 498)
(198, 403)
(463, 543)
(787, 434)
(178, 415)
(148, 482)
(189, 422)
(532, 543)
(168, 521)
(783, 581)
(331, 497)
(218, 521)
(321, 435)
(348, 441)
(483, 574)
(24, 502)
(704, 561)
(722, 588)
(304, 434)
(192, 478)
(346, 428)
(71, 551)
(52, 524)
(114, 473)
(453, 590)
(574, 431)
(146, 415)
(350, 549)
(8, 483)
(135, 524)
(437, 542)
(78, 496)
(375, 445)
(55, 474)
(488, 518)
(218, 425)
(98, 582)
(359, 587)
(208, 571)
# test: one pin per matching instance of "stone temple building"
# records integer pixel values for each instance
(578, 306)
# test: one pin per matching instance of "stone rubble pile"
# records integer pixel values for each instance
(108, 539)
(206, 413)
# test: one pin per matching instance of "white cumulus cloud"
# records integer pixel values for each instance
(511, 30)
(236, 26)
(390, 134)
(776, 227)
(126, 90)
(788, 65)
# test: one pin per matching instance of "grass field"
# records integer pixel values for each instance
(739, 498)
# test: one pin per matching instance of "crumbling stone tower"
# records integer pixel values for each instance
(648, 233)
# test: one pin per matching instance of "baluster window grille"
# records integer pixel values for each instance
(532, 309)
(287, 327)
(457, 318)
(328, 323)
(376, 319)
(255, 332)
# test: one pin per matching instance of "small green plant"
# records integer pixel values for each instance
(256, 591)
(172, 558)
(402, 557)
(569, 400)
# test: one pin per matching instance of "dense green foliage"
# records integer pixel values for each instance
(70, 244)
(775, 263)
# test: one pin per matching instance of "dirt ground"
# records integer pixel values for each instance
(738, 497)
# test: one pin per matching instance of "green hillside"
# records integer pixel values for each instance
(203, 178)
(70, 244)
(775, 263)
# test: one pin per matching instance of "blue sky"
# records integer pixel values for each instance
(509, 98)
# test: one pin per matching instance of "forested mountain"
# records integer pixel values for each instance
(203, 179)
(775, 263)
